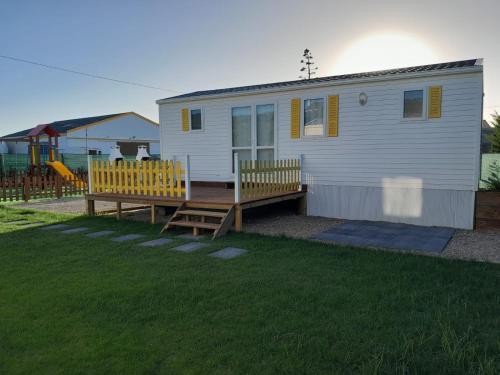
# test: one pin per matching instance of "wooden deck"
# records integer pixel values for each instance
(206, 197)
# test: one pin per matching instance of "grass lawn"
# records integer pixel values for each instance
(74, 305)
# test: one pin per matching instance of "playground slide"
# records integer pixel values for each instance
(64, 172)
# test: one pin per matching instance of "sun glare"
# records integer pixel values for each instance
(383, 51)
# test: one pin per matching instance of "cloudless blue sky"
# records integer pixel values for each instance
(192, 45)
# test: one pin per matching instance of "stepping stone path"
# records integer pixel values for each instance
(100, 234)
(75, 230)
(228, 253)
(190, 247)
(191, 237)
(55, 226)
(127, 237)
(157, 242)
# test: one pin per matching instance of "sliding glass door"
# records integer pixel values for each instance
(253, 132)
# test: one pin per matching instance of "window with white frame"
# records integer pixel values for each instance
(413, 104)
(314, 117)
(253, 130)
(195, 119)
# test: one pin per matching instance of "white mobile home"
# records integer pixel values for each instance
(96, 135)
(400, 145)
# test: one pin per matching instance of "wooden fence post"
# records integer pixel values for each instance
(301, 172)
(89, 173)
(58, 186)
(187, 178)
(26, 187)
(237, 179)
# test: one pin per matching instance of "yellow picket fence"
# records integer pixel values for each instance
(159, 178)
(261, 178)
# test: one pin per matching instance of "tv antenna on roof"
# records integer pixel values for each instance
(307, 69)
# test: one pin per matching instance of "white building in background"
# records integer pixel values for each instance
(400, 145)
(96, 135)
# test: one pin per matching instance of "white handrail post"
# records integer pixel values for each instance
(89, 172)
(301, 173)
(237, 180)
(187, 181)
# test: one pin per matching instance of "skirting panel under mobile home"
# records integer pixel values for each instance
(428, 207)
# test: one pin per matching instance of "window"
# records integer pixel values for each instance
(265, 131)
(93, 151)
(253, 132)
(413, 104)
(314, 117)
(196, 119)
(242, 132)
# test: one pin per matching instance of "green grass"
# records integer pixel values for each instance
(70, 305)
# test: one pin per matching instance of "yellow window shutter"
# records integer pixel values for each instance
(333, 116)
(295, 119)
(434, 100)
(185, 119)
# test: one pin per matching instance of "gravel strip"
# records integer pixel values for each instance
(481, 245)
(289, 225)
(69, 205)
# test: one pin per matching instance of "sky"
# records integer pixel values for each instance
(184, 46)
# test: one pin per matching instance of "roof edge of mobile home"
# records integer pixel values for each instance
(65, 126)
(452, 67)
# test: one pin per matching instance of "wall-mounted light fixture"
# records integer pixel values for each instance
(363, 98)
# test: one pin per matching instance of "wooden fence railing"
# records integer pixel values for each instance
(261, 178)
(21, 186)
(160, 178)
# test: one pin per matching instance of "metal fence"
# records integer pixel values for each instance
(486, 161)
(75, 162)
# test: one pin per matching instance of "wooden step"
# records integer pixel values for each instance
(202, 213)
(194, 224)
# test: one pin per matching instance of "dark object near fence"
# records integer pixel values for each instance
(487, 209)
(22, 186)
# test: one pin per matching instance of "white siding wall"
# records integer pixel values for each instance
(103, 136)
(375, 147)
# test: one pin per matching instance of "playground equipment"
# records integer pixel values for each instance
(115, 154)
(53, 146)
(142, 153)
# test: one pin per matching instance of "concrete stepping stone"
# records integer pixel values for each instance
(55, 226)
(190, 247)
(191, 237)
(127, 237)
(102, 233)
(75, 230)
(29, 224)
(157, 242)
(17, 221)
(228, 253)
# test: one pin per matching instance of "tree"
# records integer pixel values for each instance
(494, 137)
(307, 61)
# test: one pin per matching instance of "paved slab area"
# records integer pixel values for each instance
(191, 237)
(55, 227)
(190, 247)
(75, 230)
(228, 253)
(127, 237)
(157, 242)
(102, 233)
(389, 235)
